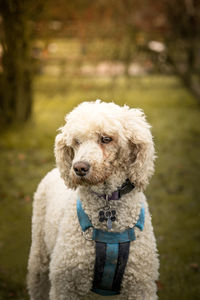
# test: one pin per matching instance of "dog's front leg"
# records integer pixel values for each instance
(62, 276)
(38, 281)
(61, 287)
(142, 291)
(38, 264)
(58, 295)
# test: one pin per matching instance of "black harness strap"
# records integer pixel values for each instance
(121, 265)
(99, 263)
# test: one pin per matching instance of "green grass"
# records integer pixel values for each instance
(26, 154)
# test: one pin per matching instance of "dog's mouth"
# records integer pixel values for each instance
(92, 178)
(88, 180)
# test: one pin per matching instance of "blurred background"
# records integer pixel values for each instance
(56, 54)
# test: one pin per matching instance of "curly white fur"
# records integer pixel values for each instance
(61, 262)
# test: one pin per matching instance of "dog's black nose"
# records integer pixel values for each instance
(81, 168)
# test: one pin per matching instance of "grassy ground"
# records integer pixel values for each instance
(26, 154)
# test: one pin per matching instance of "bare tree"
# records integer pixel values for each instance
(183, 40)
(16, 77)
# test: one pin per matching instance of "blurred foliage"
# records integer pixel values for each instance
(128, 31)
(134, 25)
(173, 194)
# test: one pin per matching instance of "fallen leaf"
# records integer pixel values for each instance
(194, 266)
(21, 156)
(11, 295)
(27, 198)
(159, 285)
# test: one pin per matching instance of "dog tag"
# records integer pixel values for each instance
(109, 223)
(107, 215)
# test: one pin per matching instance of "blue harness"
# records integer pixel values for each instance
(112, 250)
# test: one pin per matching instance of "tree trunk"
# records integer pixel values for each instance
(187, 69)
(16, 79)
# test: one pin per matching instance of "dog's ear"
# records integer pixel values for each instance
(64, 155)
(141, 148)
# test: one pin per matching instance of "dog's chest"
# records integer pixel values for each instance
(111, 252)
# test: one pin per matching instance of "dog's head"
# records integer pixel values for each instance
(101, 141)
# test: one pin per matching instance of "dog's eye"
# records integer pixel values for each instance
(106, 139)
(77, 142)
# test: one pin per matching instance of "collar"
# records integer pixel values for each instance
(126, 188)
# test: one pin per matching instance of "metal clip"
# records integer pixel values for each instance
(107, 206)
(88, 234)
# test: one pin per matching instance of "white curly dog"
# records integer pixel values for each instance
(91, 226)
